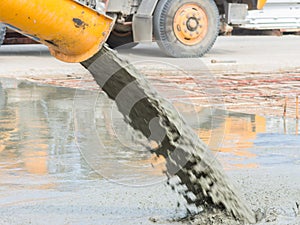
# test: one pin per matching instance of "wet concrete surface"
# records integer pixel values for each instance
(48, 175)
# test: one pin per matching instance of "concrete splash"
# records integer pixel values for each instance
(191, 168)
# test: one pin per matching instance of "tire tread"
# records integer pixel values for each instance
(2, 33)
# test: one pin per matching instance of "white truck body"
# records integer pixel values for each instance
(276, 14)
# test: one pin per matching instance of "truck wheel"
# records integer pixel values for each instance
(121, 35)
(2, 33)
(186, 28)
(117, 39)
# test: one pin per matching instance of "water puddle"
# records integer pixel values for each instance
(44, 160)
(252, 141)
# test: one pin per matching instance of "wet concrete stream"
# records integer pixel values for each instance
(49, 176)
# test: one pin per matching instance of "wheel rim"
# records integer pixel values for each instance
(190, 24)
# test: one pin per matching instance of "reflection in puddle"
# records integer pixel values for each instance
(40, 142)
(248, 141)
(36, 139)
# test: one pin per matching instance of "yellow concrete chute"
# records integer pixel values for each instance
(73, 32)
(261, 4)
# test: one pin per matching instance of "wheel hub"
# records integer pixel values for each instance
(190, 24)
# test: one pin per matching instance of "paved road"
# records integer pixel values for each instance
(236, 53)
(230, 55)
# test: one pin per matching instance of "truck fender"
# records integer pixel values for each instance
(142, 23)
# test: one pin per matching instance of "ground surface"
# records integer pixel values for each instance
(243, 74)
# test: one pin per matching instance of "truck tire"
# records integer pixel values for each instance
(117, 40)
(2, 33)
(186, 28)
(121, 37)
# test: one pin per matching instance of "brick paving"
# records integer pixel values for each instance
(263, 94)
(255, 93)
